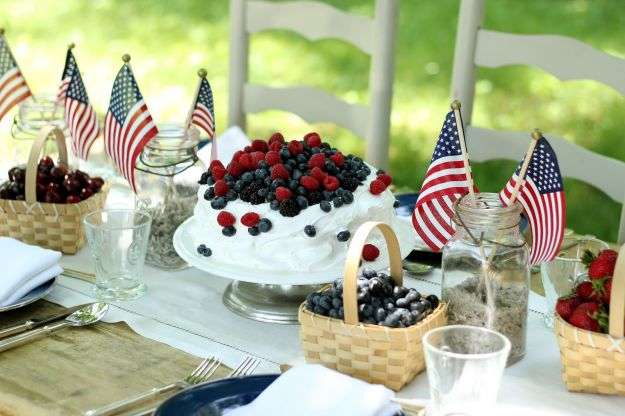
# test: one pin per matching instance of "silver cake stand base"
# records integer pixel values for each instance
(277, 304)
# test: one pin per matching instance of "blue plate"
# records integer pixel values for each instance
(212, 399)
(35, 294)
(406, 204)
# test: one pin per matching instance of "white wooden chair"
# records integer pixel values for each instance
(565, 58)
(315, 20)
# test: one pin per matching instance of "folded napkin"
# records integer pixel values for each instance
(228, 143)
(24, 268)
(313, 390)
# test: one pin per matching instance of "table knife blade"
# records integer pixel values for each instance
(39, 322)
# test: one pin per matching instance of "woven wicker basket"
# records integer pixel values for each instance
(377, 354)
(594, 362)
(54, 226)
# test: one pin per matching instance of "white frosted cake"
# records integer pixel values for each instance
(292, 207)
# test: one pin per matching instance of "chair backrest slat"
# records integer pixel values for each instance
(565, 58)
(312, 20)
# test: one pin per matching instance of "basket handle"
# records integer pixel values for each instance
(354, 254)
(617, 297)
(33, 158)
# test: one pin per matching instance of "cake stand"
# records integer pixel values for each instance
(267, 296)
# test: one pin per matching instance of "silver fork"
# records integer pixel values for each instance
(202, 373)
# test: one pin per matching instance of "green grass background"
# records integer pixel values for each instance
(169, 40)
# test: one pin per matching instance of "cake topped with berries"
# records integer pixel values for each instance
(292, 206)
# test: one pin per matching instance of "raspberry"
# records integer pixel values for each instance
(318, 174)
(317, 161)
(279, 172)
(260, 145)
(295, 147)
(331, 183)
(272, 158)
(370, 252)
(377, 187)
(338, 159)
(312, 139)
(283, 193)
(251, 219)
(309, 183)
(246, 161)
(225, 219)
(275, 146)
(277, 137)
(386, 178)
(258, 156)
(218, 172)
(237, 155)
(235, 168)
(221, 188)
(216, 163)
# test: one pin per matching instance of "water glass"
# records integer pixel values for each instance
(464, 366)
(118, 240)
(560, 275)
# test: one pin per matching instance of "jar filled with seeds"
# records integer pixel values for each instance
(486, 272)
(167, 180)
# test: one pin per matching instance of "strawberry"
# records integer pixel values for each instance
(593, 290)
(607, 290)
(331, 183)
(566, 305)
(279, 172)
(585, 290)
(338, 159)
(283, 193)
(318, 174)
(377, 187)
(317, 160)
(295, 147)
(590, 317)
(370, 252)
(309, 183)
(277, 137)
(312, 139)
(608, 254)
(225, 219)
(235, 168)
(260, 145)
(250, 219)
(272, 158)
(221, 187)
(246, 161)
(386, 178)
(601, 267)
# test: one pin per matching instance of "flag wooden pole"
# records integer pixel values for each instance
(455, 106)
(536, 134)
(202, 74)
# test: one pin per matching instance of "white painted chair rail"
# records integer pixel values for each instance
(567, 59)
(315, 20)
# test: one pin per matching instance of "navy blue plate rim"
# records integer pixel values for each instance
(32, 296)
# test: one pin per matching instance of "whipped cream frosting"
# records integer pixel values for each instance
(286, 248)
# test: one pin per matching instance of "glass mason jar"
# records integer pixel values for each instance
(486, 272)
(167, 176)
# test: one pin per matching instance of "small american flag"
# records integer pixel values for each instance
(13, 87)
(80, 116)
(128, 125)
(203, 114)
(542, 197)
(445, 181)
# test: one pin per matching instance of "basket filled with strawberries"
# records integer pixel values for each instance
(370, 326)
(43, 203)
(590, 324)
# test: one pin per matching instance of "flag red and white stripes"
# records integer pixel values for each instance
(13, 86)
(203, 118)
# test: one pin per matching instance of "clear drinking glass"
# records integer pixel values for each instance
(561, 274)
(464, 366)
(118, 239)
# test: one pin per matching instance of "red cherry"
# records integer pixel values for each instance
(81, 176)
(43, 178)
(95, 184)
(72, 199)
(53, 197)
(85, 193)
(46, 161)
(53, 187)
(58, 173)
(72, 185)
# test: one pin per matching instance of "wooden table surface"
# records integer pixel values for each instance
(77, 369)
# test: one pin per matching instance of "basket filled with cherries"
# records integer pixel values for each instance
(43, 203)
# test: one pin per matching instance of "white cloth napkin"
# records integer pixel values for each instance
(313, 390)
(230, 141)
(24, 268)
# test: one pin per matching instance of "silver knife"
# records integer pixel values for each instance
(39, 322)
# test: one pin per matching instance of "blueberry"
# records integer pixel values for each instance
(264, 225)
(413, 295)
(274, 205)
(399, 292)
(320, 311)
(343, 236)
(293, 184)
(389, 306)
(210, 181)
(260, 173)
(325, 301)
(417, 307)
(270, 196)
(376, 302)
(402, 303)
(229, 231)
(369, 273)
(239, 185)
(204, 177)
(396, 204)
(393, 319)
(365, 310)
(219, 203)
(201, 248)
(337, 302)
(337, 201)
(276, 183)
(231, 195)
(310, 230)
(331, 167)
(296, 174)
(228, 177)
(347, 197)
(262, 192)
(380, 314)
(428, 305)
(334, 313)
(315, 150)
(341, 313)
(325, 206)
(292, 163)
(328, 195)
(254, 231)
(434, 302)
(364, 296)
(302, 191)
(302, 202)
(285, 154)
(376, 287)
(268, 181)
(247, 177)
(263, 164)
(209, 194)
